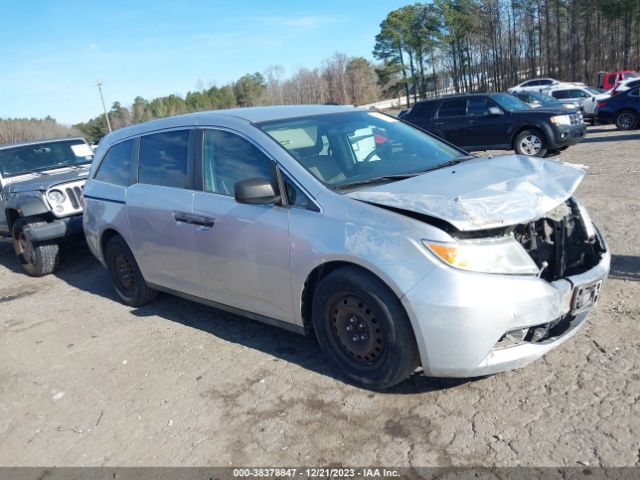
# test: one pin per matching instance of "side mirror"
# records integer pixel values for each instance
(255, 191)
(495, 111)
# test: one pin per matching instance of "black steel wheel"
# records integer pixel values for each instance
(125, 275)
(361, 325)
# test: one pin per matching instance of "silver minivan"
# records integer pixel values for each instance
(396, 249)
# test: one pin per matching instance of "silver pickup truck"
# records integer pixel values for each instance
(41, 199)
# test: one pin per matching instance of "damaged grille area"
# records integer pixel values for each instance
(559, 243)
(541, 333)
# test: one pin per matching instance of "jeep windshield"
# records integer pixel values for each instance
(44, 156)
(344, 150)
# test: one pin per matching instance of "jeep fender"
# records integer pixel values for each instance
(25, 206)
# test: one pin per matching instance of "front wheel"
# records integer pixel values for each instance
(531, 143)
(626, 120)
(37, 259)
(125, 275)
(361, 325)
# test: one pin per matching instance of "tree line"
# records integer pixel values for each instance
(340, 80)
(490, 45)
(14, 130)
(423, 50)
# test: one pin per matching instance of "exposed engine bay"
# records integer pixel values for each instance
(561, 243)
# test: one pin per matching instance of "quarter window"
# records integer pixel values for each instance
(228, 159)
(164, 160)
(115, 166)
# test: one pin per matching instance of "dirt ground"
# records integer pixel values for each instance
(87, 381)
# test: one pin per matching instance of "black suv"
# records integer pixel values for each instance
(497, 121)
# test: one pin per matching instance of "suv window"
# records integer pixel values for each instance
(560, 94)
(577, 94)
(228, 159)
(478, 106)
(115, 166)
(164, 160)
(453, 108)
(422, 109)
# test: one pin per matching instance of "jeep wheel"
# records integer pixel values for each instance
(125, 275)
(362, 326)
(37, 259)
(531, 143)
(626, 120)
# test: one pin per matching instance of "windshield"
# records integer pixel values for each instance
(39, 157)
(545, 100)
(359, 147)
(509, 102)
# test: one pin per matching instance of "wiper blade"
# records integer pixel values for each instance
(383, 178)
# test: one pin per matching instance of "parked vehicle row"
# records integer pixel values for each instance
(542, 85)
(498, 121)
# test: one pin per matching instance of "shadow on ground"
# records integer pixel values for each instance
(611, 138)
(79, 268)
(625, 267)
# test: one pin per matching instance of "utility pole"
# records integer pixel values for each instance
(106, 116)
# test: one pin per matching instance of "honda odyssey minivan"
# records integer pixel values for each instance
(395, 249)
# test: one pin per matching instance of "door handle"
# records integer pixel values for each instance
(197, 220)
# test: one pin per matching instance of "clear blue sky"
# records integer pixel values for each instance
(52, 52)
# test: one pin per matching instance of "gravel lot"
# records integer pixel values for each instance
(87, 381)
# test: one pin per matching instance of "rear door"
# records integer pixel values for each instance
(160, 212)
(451, 121)
(244, 255)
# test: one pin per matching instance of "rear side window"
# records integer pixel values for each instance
(115, 167)
(453, 108)
(560, 94)
(422, 110)
(545, 82)
(228, 159)
(164, 160)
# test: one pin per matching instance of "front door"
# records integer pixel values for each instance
(451, 120)
(244, 257)
(486, 129)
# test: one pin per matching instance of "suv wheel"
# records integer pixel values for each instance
(125, 275)
(37, 259)
(361, 325)
(626, 120)
(531, 143)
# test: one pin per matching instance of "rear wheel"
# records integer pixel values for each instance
(362, 326)
(125, 275)
(37, 259)
(626, 120)
(531, 143)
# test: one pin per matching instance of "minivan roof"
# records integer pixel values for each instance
(249, 114)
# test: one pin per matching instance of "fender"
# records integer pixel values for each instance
(26, 205)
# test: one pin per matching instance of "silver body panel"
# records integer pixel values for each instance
(257, 258)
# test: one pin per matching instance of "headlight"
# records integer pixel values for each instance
(56, 197)
(561, 119)
(488, 255)
(586, 220)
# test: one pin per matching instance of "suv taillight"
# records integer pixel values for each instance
(600, 104)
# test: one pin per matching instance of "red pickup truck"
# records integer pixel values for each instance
(607, 81)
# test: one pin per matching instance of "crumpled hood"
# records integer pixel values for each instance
(35, 182)
(482, 193)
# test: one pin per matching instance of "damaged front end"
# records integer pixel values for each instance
(563, 242)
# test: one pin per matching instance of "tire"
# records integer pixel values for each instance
(531, 143)
(37, 259)
(125, 275)
(361, 325)
(626, 120)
